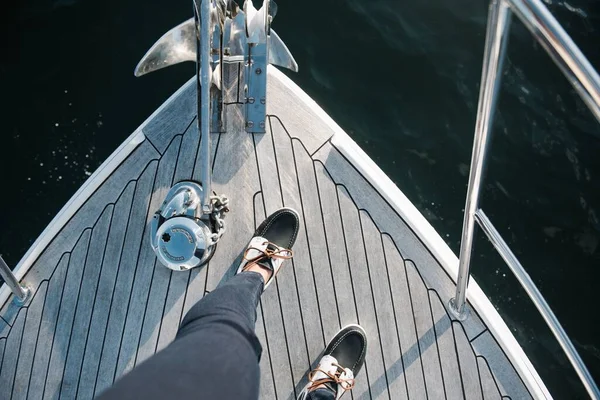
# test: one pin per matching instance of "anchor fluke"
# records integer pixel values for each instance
(176, 46)
(279, 54)
(179, 45)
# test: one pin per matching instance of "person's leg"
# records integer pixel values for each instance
(215, 353)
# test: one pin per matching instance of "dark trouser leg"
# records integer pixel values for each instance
(321, 394)
(214, 356)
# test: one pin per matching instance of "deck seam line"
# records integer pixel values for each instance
(491, 373)
(412, 308)
(100, 275)
(437, 345)
(172, 138)
(477, 337)
(475, 357)
(479, 376)
(395, 316)
(337, 193)
(262, 312)
(439, 298)
(59, 308)
(137, 347)
(38, 332)
(85, 265)
(368, 265)
(310, 257)
(154, 269)
(476, 363)
(287, 346)
(207, 268)
(164, 307)
(337, 305)
(293, 263)
(462, 383)
(152, 144)
(59, 312)
(3, 351)
(152, 278)
(18, 313)
(322, 223)
(259, 177)
(136, 265)
(12, 388)
(3, 354)
(197, 150)
(187, 286)
(206, 291)
(239, 80)
(508, 359)
(216, 152)
(189, 279)
(112, 296)
(93, 304)
(318, 148)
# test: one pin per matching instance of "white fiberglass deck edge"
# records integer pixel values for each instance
(430, 237)
(82, 195)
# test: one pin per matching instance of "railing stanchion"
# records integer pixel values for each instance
(21, 292)
(204, 85)
(586, 81)
(495, 48)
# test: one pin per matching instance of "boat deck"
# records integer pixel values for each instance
(102, 303)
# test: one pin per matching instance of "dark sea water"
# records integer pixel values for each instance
(401, 77)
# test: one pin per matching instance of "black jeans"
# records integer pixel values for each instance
(215, 354)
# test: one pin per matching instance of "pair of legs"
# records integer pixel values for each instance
(216, 352)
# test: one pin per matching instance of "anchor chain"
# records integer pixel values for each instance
(220, 205)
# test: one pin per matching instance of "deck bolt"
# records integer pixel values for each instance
(258, 71)
(263, 100)
(251, 100)
(249, 124)
(262, 125)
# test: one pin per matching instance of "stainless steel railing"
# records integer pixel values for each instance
(21, 292)
(549, 33)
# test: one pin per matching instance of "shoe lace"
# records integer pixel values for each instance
(336, 377)
(271, 251)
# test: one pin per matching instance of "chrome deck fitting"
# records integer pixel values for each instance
(181, 237)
